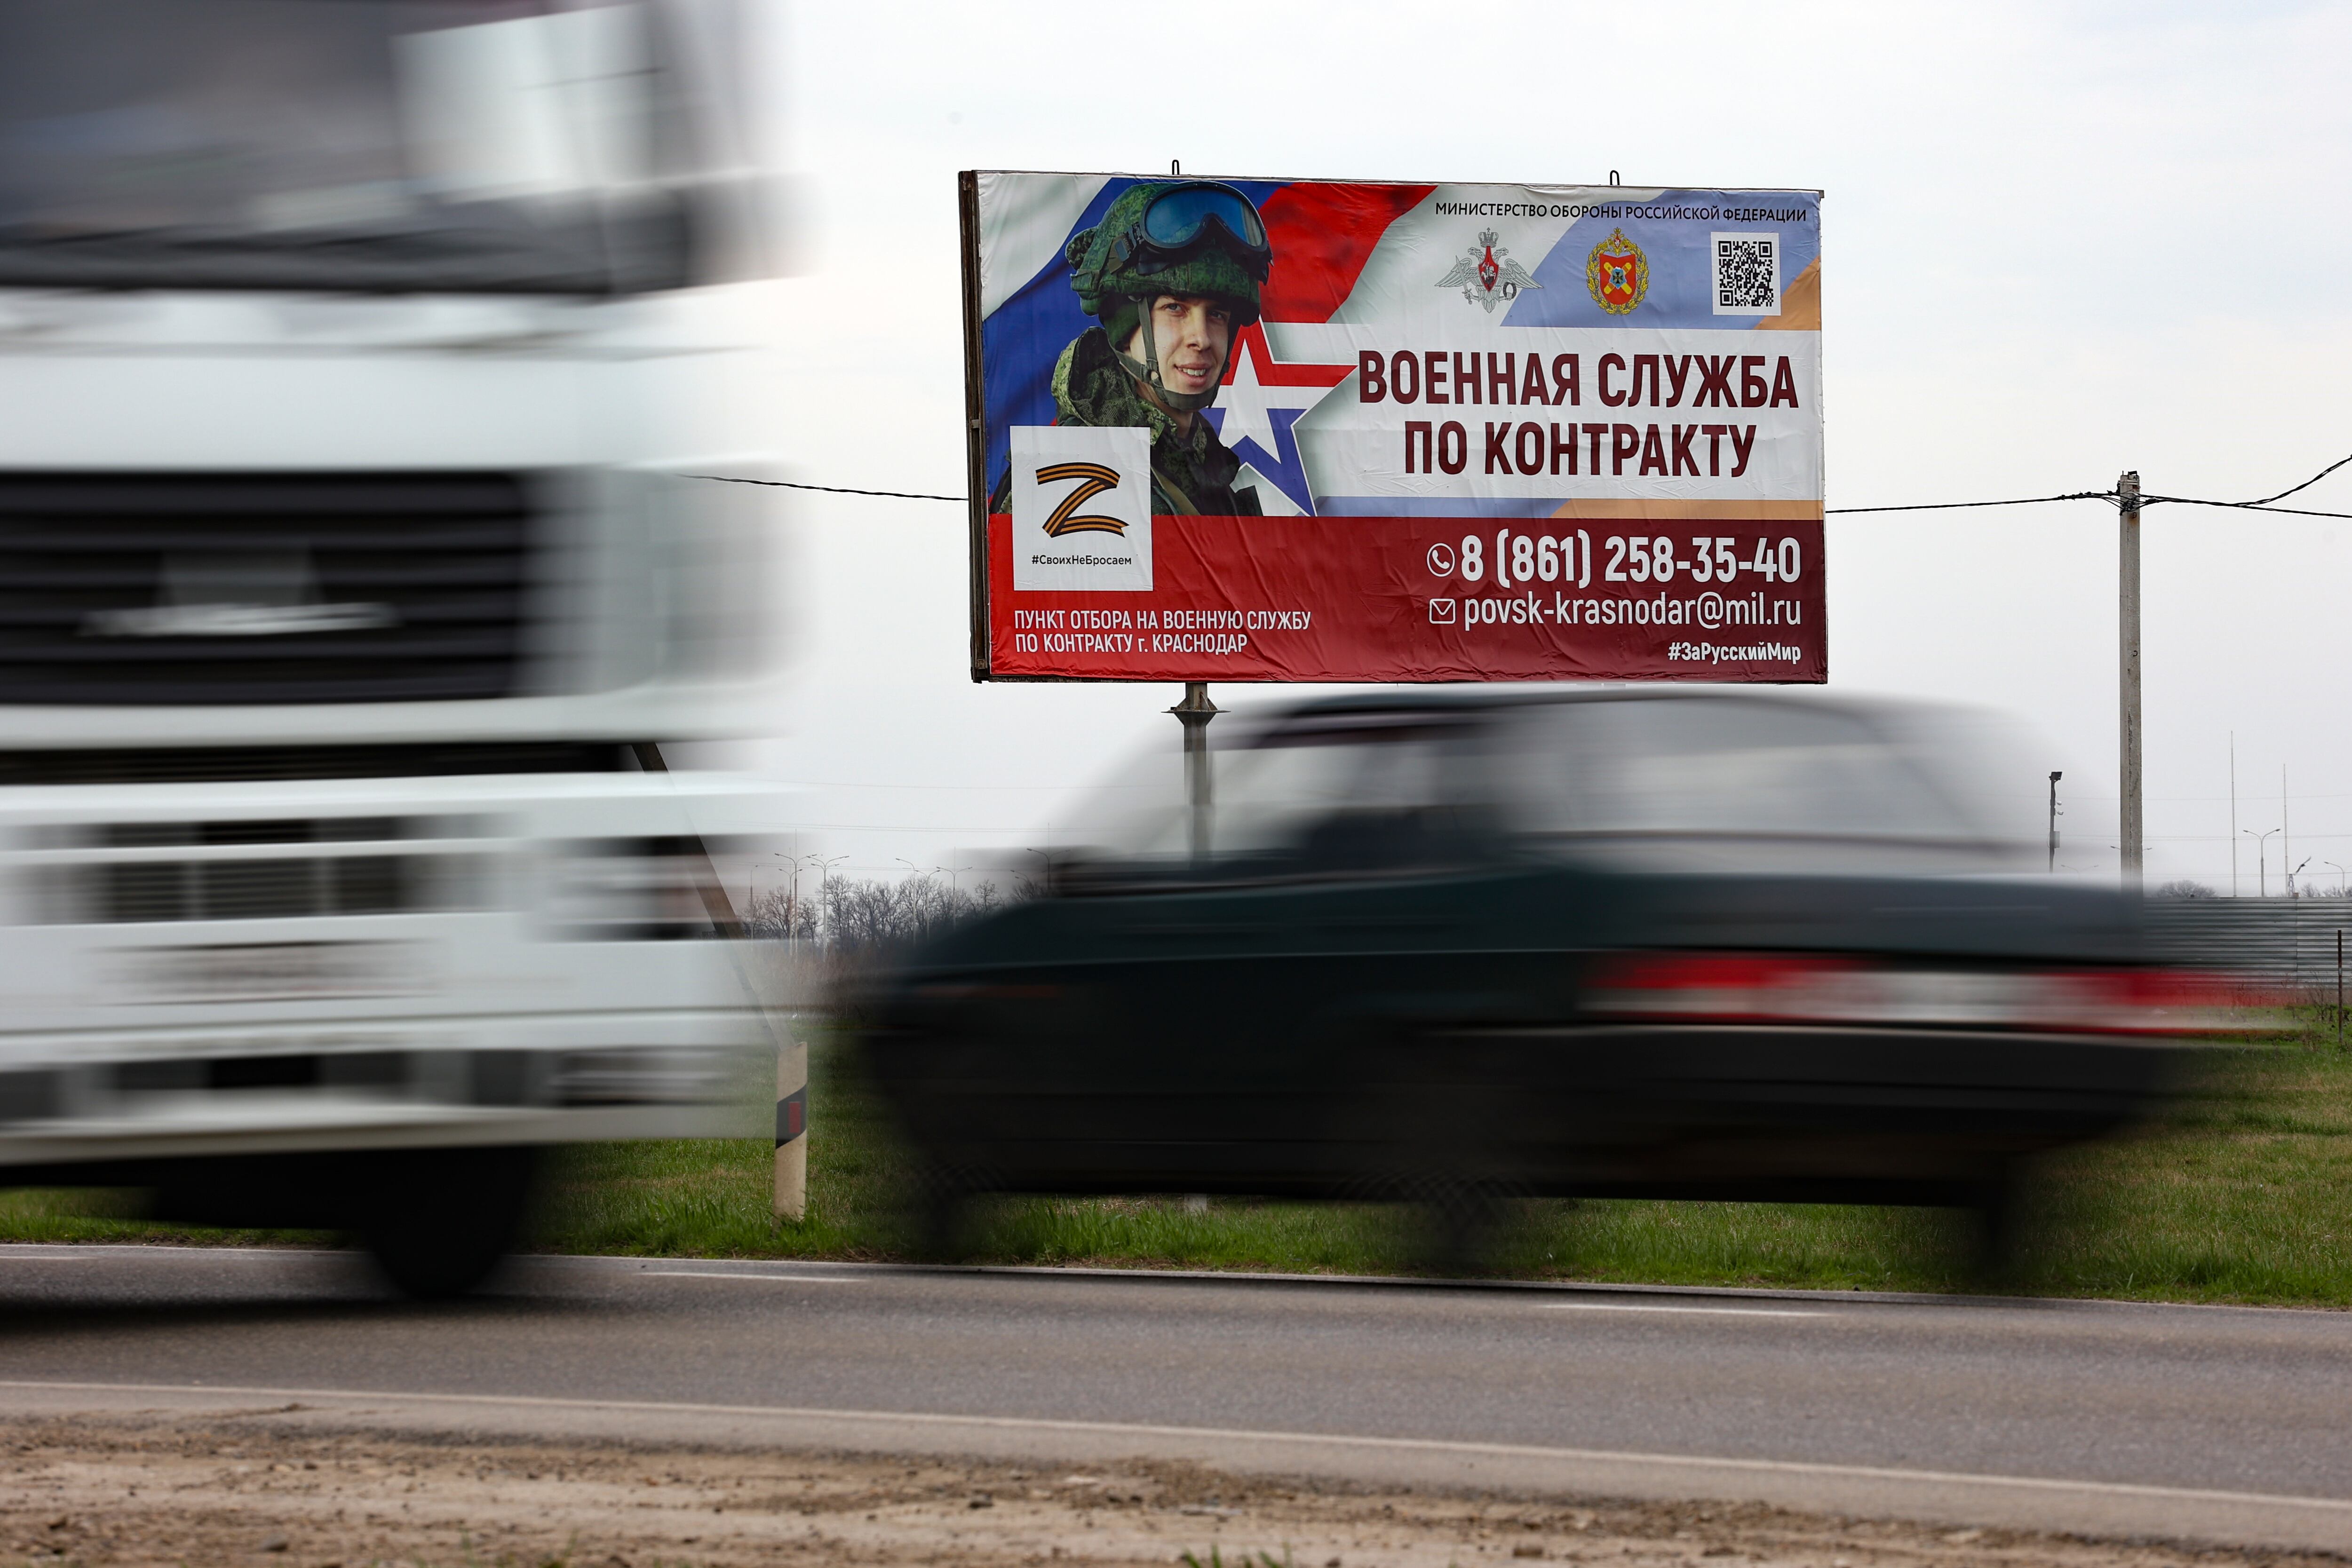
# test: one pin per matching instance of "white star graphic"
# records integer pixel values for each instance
(1247, 402)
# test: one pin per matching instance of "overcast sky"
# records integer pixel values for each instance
(2060, 241)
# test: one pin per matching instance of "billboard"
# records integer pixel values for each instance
(1259, 429)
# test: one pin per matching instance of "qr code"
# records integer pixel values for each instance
(1747, 275)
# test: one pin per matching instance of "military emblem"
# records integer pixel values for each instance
(1486, 274)
(1617, 274)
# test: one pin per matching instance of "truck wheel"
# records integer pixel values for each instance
(437, 1221)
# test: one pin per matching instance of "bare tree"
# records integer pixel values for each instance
(853, 923)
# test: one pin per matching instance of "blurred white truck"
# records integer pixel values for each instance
(352, 358)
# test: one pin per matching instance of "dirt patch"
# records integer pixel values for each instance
(166, 1491)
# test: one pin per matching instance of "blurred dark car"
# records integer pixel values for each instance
(1649, 942)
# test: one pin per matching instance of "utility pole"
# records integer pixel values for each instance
(2054, 819)
(2128, 628)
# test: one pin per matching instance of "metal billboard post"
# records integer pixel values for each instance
(1194, 712)
(2054, 819)
(2127, 629)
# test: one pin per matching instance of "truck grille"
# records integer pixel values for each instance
(246, 764)
(181, 588)
(276, 870)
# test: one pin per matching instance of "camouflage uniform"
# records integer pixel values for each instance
(1190, 474)
(1096, 383)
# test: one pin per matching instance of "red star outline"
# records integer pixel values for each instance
(1274, 372)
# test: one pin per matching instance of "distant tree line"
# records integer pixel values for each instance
(855, 921)
(2186, 889)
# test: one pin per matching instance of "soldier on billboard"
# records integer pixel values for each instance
(1172, 274)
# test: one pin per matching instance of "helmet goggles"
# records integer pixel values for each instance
(1184, 220)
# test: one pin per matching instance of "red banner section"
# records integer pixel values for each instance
(1434, 598)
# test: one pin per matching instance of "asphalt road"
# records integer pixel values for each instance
(2217, 1423)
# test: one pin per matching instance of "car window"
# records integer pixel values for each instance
(1347, 793)
(1733, 769)
(1678, 782)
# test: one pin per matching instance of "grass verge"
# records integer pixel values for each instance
(98, 1214)
(2244, 1194)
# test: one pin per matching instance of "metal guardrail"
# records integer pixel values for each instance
(2285, 942)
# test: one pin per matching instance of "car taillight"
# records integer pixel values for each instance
(1766, 987)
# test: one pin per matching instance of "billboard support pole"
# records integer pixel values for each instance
(2128, 627)
(1194, 712)
(2054, 776)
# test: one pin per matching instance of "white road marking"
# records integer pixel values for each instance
(712, 1274)
(1714, 1311)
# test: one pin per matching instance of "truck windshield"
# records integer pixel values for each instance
(399, 145)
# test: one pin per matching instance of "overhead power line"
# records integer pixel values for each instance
(2261, 506)
(2264, 504)
(828, 490)
(2243, 505)
(2282, 494)
(1956, 506)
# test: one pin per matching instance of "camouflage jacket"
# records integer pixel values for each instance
(1190, 474)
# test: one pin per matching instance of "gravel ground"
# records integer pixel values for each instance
(203, 1493)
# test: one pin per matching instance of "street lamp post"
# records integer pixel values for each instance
(792, 893)
(2339, 877)
(2262, 859)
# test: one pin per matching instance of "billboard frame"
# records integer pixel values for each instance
(982, 649)
(975, 414)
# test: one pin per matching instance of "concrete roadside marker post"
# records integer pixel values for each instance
(791, 1127)
(792, 1051)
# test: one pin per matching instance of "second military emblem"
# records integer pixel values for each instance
(1617, 274)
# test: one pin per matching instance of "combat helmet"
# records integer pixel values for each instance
(1187, 236)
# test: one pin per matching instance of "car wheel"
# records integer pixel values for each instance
(940, 1211)
(1435, 1131)
(1997, 1215)
(1457, 1221)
